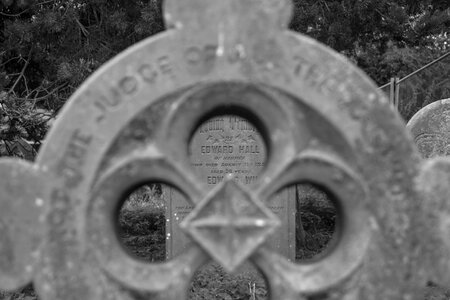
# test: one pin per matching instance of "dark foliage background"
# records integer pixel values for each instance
(49, 47)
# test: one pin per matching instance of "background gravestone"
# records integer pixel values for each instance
(430, 128)
(230, 145)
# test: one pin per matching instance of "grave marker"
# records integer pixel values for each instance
(230, 145)
(430, 128)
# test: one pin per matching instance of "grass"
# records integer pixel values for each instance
(212, 282)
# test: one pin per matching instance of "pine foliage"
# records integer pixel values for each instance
(366, 30)
(49, 47)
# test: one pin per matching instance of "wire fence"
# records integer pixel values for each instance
(420, 88)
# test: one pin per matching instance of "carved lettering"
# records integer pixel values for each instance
(214, 179)
(232, 164)
(148, 73)
(105, 104)
(193, 55)
(249, 149)
(227, 145)
(333, 84)
(70, 167)
(250, 179)
(200, 55)
(60, 200)
(213, 125)
(237, 123)
(182, 211)
(128, 84)
(216, 149)
(241, 157)
(165, 65)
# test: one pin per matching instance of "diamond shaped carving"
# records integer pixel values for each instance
(230, 224)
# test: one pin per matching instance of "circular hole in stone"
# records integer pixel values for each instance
(309, 217)
(227, 144)
(212, 282)
(148, 222)
(144, 222)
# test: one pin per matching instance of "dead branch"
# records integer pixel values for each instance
(22, 72)
(82, 28)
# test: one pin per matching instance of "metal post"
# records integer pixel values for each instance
(397, 92)
(392, 91)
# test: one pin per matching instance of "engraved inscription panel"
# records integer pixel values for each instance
(227, 145)
(230, 144)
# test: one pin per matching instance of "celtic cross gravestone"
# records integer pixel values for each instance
(322, 121)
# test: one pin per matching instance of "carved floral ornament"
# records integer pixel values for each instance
(322, 119)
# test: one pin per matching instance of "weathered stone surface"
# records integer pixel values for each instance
(430, 128)
(434, 183)
(21, 221)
